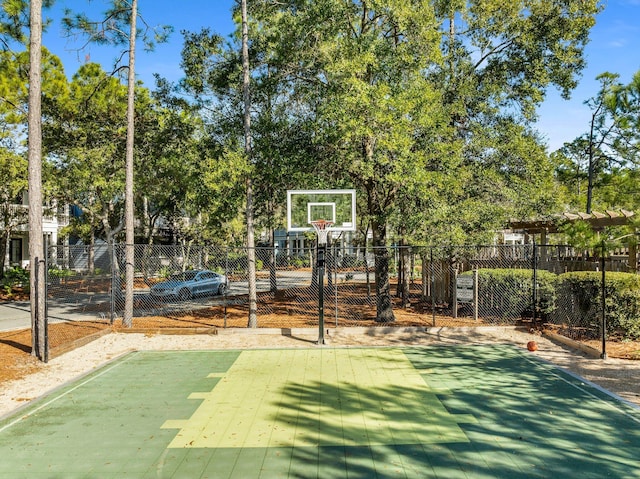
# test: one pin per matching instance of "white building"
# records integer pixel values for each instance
(55, 218)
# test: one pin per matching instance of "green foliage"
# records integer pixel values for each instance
(238, 263)
(164, 272)
(84, 129)
(600, 167)
(300, 261)
(508, 293)
(15, 277)
(14, 21)
(581, 235)
(622, 306)
(113, 27)
(60, 273)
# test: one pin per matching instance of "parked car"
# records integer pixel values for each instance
(188, 284)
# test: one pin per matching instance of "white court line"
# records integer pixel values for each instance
(51, 401)
(553, 369)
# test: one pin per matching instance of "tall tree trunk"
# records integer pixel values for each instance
(330, 261)
(37, 261)
(273, 264)
(128, 196)
(404, 273)
(424, 275)
(146, 221)
(91, 254)
(384, 305)
(251, 250)
(4, 246)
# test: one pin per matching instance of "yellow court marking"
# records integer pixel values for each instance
(318, 397)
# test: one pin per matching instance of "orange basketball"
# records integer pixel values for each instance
(532, 346)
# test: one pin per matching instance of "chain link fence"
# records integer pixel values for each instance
(207, 287)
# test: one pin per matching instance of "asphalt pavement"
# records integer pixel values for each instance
(16, 314)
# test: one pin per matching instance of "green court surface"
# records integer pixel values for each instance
(418, 412)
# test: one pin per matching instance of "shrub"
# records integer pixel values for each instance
(508, 293)
(164, 272)
(239, 263)
(301, 261)
(60, 273)
(15, 277)
(583, 299)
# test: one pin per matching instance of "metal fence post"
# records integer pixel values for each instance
(476, 294)
(335, 276)
(433, 288)
(46, 303)
(454, 293)
(112, 306)
(604, 299)
(320, 258)
(226, 273)
(535, 281)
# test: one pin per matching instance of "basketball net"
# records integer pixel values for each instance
(322, 229)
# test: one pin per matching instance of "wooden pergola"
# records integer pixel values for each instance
(598, 221)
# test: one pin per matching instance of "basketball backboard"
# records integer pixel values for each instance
(336, 206)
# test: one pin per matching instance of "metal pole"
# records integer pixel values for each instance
(603, 299)
(454, 293)
(112, 307)
(322, 248)
(476, 294)
(46, 296)
(226, 274)
(335, 278)
(535, 282)
(433, 289)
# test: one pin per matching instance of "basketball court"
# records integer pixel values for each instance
(416, 412)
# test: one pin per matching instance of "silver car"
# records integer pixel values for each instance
(188, 284)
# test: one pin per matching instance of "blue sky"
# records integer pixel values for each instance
(614, 47)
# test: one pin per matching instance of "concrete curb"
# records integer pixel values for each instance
(588, 350)
(65, 348)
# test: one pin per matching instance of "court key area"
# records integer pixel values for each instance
(407, 412)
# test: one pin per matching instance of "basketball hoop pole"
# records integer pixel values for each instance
(321, 227)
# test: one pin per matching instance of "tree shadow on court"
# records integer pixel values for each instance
(518, 418)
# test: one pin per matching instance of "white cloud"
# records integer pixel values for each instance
(619, 43)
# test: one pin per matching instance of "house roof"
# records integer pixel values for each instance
(550, 224)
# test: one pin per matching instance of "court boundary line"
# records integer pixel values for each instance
(554, 370)
(39, 407)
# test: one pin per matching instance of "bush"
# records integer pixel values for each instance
(15, 277)
(60, 273)
(301, 261)
(583, 299)
(508, 293)
(239, 263)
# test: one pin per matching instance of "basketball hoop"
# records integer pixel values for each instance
(322, 229)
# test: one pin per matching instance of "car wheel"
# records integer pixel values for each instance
(184, 294)
(222, 288)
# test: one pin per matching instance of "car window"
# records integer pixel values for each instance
(186, 276)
